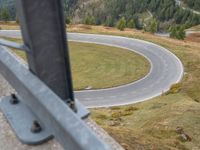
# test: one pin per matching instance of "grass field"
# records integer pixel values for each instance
(11, 25)
(156, 124)
(153, 124)
(98, 66)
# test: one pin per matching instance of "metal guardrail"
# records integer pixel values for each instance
(44, 106)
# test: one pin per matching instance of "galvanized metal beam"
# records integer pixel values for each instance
(55, 115)
(14, 45)
(43, 30)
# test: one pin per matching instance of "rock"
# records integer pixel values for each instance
(88, 88)
(184, 137)
(179, 130)
(114, 123)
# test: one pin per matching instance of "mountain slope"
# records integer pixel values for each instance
(108, 12)
(10, 4)
(193, 4)
(167, 12)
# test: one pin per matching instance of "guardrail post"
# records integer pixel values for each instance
(43, 30)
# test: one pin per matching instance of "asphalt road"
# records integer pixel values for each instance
(166, 69)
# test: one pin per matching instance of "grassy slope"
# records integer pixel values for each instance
(152, 124)
(112, 66)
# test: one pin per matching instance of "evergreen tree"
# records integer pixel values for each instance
(67, 20)
(152, 26)
(181, 33)
(89, 20)
(5, 15)
(131, 24)
(172, 31)
(121, 24)
(109, 21)
(177, 32)
(109, 12)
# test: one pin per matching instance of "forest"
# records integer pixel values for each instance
(109, 12)
(165, 11)
(194, 4)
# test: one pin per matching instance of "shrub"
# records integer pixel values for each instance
(5, 14)
(116, 114)
(131, 24)
(152, 26)
(119, 114)
(174, 89)
(130, 108)
(89, 20)
(102, 116)
(67, 21)
(109, 21)
(177, 32)
(121, 24)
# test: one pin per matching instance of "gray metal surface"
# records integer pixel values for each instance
(55, 115)
(12, 143)
(43, 32)
(21, 118)
(13, 45)
(166, 69)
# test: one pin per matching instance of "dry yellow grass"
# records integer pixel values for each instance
(11, 25)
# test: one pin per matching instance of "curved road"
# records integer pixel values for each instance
(166, 69)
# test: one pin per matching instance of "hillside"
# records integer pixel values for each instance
(10, 4)
(193, 4)
(166, 12)
(155, 124)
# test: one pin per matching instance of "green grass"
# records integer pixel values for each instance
(99, 66)
(152, 124)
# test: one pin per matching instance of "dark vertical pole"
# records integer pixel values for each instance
(43, 31)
